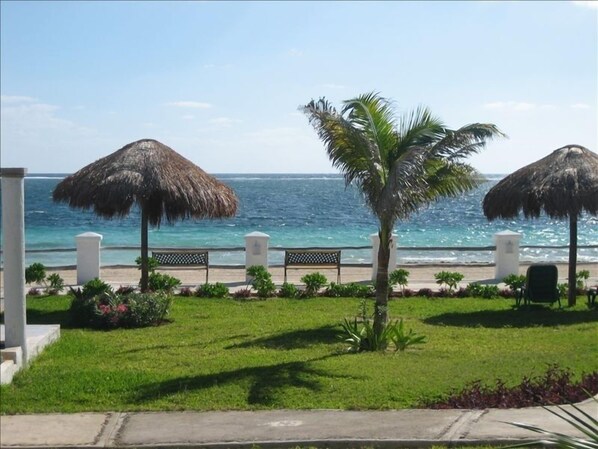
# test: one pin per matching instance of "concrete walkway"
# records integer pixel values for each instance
(280, 428)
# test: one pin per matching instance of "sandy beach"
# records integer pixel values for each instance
(420, 276)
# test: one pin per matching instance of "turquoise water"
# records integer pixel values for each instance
(297, 211)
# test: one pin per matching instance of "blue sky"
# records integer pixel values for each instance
(221, 82)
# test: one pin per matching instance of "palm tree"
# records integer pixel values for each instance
(399, 164)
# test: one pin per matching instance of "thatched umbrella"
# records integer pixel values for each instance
(562, 184)
(159, 180)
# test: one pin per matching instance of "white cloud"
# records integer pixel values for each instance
(12, 99)
(523, 106)
(189, 104)
(295, 52)
(188, 117)
(587, 4)
(32, 129)
(224, 122)
(21, 114)
(518, 106)
(580, 106)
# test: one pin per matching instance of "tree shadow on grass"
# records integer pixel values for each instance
(527, 316)
(160, 347)
(297, 339)
(266, 383)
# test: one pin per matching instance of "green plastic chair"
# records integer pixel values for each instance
(541, 285)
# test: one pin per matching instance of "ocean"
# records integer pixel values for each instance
(302, 210)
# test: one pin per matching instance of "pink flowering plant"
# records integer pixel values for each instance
(110, 310)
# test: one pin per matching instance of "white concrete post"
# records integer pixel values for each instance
(506, 257)
(392, 261)
(256, 250)
(88, 256)
(13, 242)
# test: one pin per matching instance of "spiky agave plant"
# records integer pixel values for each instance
(581, 420)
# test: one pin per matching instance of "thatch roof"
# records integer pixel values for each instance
(562, 184)
(152, 175)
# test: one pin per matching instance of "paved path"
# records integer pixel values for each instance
(279, 428)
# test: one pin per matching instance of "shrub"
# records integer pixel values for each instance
(482, 291)
(448, 278)
(108, 310)
(56, 284)
(506, 293)
(402, 340)
(462, 292)
(361, 336)
(186, 291)
(582, 279)
(217, 290)
(147, 309)
(356, 290)
(261, 281)
(334, 290)
(443, 293)
(563, 290)
(553, 387)
(95, 287)
(514, 281)
(125, 290)
(351, 290)
(159, 282)
(36, 272)
(33, 291)
(288, 290)
(407, 293)
(425, 292)
(399, 277)
(242, 293)
(152, 264)
(313, 283)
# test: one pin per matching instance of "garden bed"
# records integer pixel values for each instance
(224, 354)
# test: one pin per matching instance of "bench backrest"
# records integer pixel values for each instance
(181, 258)
(312, 257)
(541, 283)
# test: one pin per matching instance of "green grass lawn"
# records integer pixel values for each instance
(227, 354)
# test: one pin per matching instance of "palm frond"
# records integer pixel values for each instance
(418, 129)
(465, 141)
(372, 116)
(399, 165)
(446, 178)
(349, 148)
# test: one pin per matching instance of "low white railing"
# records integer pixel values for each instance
(505, 254)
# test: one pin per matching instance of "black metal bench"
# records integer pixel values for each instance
(317, 258)
(177, 259)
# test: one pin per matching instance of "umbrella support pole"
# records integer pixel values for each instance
(144, 245)
(572, 259)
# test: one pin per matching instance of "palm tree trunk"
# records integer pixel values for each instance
(144, 275)
(572, 258)
(381, 310)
